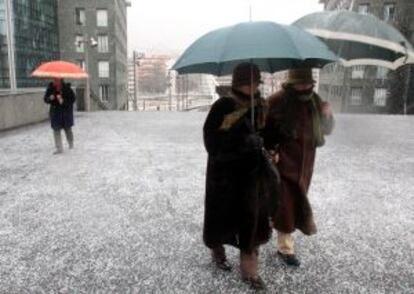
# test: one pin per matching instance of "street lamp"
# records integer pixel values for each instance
(137, 56)
(87, 42)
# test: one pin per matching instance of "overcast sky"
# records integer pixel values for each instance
(165, 26)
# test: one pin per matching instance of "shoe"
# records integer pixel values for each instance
(289, 259)
(223, 265)
(218, 255)
(255, 283)
(58, 152)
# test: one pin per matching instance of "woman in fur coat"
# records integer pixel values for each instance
(296, 124)
(238, 179)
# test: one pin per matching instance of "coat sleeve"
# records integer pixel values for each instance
(217, 141)
(272, 134)
(48, 93)
(70, 97)
(327, 124)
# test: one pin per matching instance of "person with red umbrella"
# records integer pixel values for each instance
(61, 97)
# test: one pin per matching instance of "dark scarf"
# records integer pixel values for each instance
(313, 102)
(243, 106)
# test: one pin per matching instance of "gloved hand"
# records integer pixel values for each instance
(254, 141)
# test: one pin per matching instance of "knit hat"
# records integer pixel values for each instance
(300, 76)
(244, 73)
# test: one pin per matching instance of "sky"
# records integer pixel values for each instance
(169, 26)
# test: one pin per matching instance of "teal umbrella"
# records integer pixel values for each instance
(359, 39)
(271, 46)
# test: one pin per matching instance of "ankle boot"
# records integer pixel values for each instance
(218, 255)
(249, 264)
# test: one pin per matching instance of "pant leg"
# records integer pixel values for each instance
(285, 243)
(249, 263)
(69, 136)
(218, 253)
(58, 140)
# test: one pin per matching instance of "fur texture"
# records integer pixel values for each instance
(237, 183)
(296, 159)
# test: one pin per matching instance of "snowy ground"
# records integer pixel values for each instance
(122, 212)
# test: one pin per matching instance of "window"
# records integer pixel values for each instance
(79, 43)
(363, 8)
(104, 92)
(102, 18)
(103, 69)
(103, 44)
(389, 12)
(380, 97)
(382, 73)
(80, 18)
(356, 96)
(358, 72)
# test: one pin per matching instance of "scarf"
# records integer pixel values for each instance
(243, 106)
(313, 102)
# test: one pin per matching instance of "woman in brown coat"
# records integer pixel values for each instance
(296, 124)
(238, 180)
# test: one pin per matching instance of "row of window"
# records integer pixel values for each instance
(358, 72)
(102, 47)
(388, 11)
(104, 91)
(101, 17)
(103, 68)
(380, 96)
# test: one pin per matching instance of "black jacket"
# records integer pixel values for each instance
(61, 115)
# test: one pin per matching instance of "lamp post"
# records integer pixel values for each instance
(137, 56)
(87, 42)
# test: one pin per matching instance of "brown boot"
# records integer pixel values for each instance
(249, 264)
(218, 255)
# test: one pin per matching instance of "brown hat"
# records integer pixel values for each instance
(244, 73)
(300, 76)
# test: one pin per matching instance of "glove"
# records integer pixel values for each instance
(254, 141)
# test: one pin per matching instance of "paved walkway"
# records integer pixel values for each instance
(122, 212)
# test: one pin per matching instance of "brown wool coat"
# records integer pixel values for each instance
(296, 161)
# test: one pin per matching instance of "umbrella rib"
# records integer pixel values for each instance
(291, 39)
(220, 62)
(326, 34)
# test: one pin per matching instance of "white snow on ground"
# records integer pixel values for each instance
(123, 211)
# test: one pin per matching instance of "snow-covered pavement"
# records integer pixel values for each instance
(123, 211)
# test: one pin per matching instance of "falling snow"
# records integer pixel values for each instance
(123, 211)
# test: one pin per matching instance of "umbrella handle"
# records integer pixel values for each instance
(252, 95)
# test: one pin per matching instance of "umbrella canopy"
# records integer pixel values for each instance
(359, 39)
(271, 46)
(60, 69)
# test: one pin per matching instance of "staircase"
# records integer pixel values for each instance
(101, 104)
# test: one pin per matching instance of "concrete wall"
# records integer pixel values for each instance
(22, 108)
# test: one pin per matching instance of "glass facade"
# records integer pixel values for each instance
(35, 36)
(4, 58)
(35, 29)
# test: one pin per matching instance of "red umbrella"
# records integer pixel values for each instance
(60, 69)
